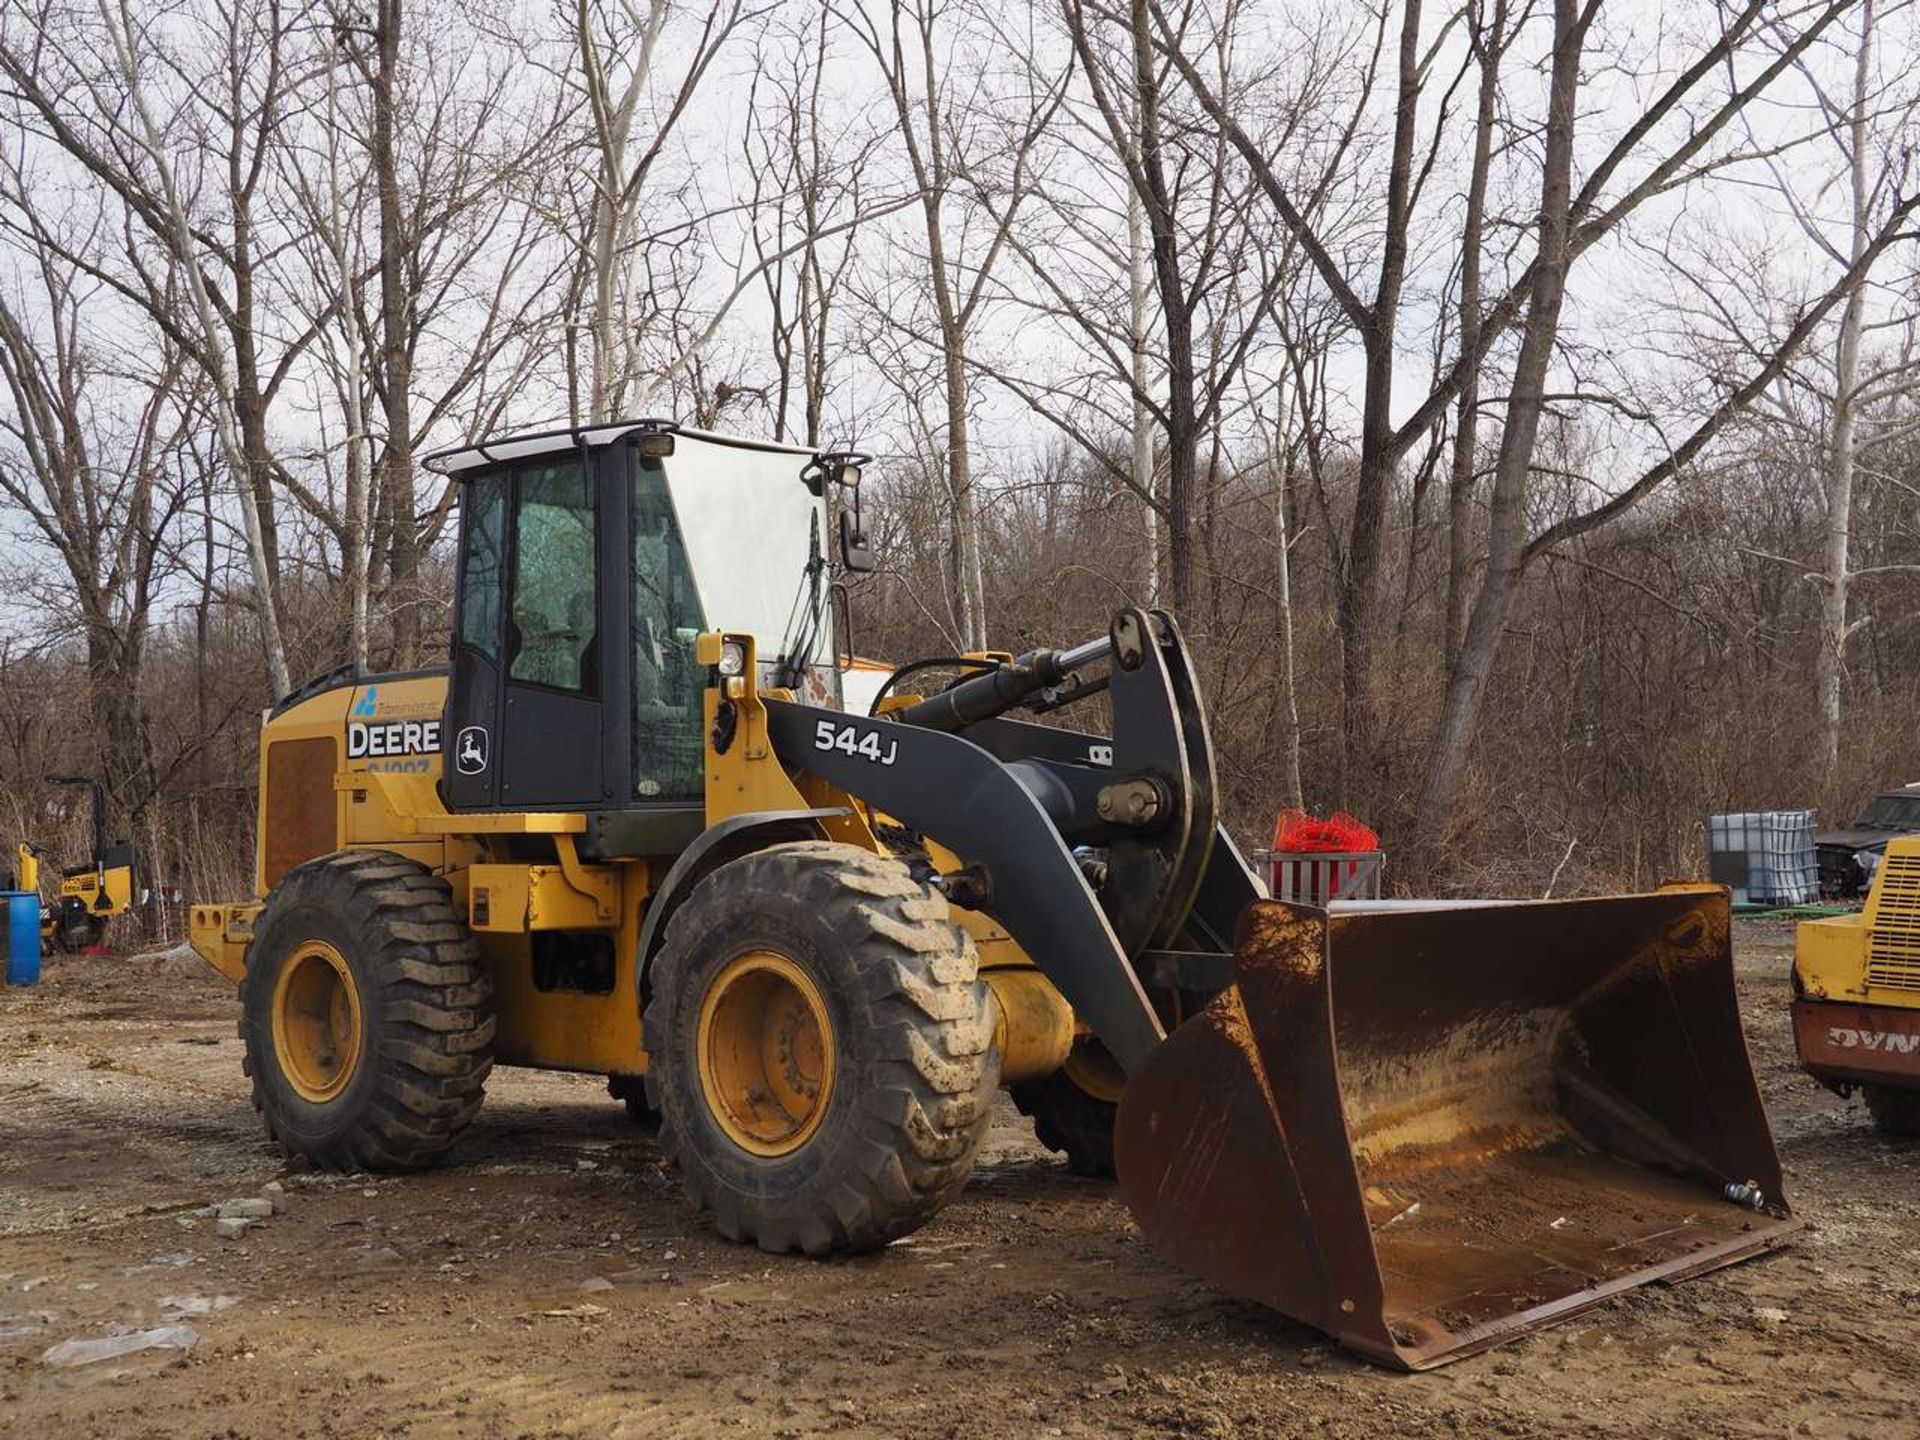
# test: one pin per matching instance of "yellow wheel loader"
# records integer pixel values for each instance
(1856, 994)
(631, 832)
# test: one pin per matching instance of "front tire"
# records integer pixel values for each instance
(820, 1049)
(366, 1014)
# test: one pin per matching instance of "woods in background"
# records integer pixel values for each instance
(1517, 401)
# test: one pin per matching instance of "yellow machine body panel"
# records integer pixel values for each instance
(357, 767)
(559, 1029)
(386, 728)
(1034, 1025)
(1829, 957)
(1872, 957)
(1856, 983)
(220, 935)
(104, 890)
(26, 866)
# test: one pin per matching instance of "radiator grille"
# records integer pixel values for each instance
(1893, 944)
(299, 812)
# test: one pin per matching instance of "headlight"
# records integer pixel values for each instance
(733, 658)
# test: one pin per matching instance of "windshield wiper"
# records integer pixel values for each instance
(803, 621)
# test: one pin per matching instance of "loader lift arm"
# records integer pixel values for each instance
(1009, 798)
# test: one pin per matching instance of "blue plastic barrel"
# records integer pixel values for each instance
(22, 936)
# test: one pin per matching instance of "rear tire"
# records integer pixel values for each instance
(820, 1049)
(1895, 1112)
(366, 1014)
(631, 1091)
(1073, 1109)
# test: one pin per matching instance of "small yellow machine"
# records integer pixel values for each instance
(1856, 994)
(632, 831)
(91, 894)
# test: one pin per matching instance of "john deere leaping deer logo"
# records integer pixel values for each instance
(470, 750)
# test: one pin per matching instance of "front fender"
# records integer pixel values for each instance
(728, 840)
(953, 790)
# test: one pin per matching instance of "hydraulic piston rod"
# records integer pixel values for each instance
(996, 691)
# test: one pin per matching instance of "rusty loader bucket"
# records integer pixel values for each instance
(1429, 1130)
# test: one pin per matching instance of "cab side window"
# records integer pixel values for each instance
(554, 624)
(481, 569)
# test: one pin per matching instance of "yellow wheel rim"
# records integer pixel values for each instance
(765, 1053)
(316, 1022)
(1093, 1070)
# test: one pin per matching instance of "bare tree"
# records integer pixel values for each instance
(1867, 123)
(84, 84)
(338, 237)
(804, 172)
(618, 49)
(1676, 139)
(909, 46)
(1512, 543)
(90, 461)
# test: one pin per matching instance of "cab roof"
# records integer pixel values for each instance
(531, 444)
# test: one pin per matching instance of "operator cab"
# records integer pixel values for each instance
(589, 562)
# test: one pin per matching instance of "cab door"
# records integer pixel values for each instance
(523, 729)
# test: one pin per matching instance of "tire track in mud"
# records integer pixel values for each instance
(82, 1148)
(48, 1116)
(522, 1402)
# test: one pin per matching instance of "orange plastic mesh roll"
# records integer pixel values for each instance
(1295, 832)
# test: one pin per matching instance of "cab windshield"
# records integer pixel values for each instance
(722, 537)
(1891, 812)
(756, 539)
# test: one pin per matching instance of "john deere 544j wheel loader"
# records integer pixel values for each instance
(630, 832)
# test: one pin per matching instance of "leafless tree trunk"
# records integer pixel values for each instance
(913, 75)
(1507, 530)
(616, 185)
(396, 340)
(1280, 464)
(1830, 674)
(1140, 354)
(1489, 40)
(353, 362)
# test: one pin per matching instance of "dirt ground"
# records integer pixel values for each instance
(452, 1304)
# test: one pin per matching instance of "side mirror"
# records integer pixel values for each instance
(855, 557)
(842, 468)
